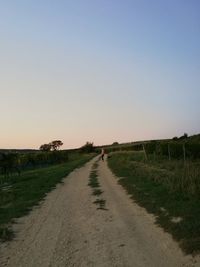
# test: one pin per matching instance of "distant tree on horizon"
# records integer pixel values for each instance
(185, 136)
(45, 147)
(88, 148)
(115, 144)
(54, 145)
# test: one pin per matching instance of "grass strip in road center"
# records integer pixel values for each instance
(94, 183)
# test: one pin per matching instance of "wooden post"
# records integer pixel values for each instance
(169, 154)
(145, 154)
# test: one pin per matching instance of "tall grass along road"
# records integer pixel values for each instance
(69, 228)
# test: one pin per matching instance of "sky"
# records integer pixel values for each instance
(102, 71)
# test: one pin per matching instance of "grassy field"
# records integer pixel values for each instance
(168, 189)
(18, 194)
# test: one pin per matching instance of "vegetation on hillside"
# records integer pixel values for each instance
(182, 147)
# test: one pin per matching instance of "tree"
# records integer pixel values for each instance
(56, 144)
(45, 147)
(88, 148)
(185, 136)
(115, 144)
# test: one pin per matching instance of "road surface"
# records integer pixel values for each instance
(68, 229)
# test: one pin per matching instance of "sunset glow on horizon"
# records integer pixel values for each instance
(98, 71)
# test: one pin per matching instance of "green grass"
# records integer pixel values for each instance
(164, 190)
(97, 192)
(20, 193)
(93, 182)
(93, 179)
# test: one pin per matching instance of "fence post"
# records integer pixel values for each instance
(145, 154)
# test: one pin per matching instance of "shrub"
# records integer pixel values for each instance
(88, 148)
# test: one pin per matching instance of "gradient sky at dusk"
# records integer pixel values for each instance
(98, 70)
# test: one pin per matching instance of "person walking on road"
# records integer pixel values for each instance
(102, 154)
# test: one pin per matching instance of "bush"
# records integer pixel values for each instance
(10, 162)
(88, 148)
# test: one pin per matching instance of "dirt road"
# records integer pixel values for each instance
(67, 229)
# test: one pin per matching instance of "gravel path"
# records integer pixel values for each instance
(68, 229)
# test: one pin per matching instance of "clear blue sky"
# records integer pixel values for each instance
(101, 71)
